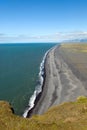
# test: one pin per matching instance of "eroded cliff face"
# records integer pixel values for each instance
(66, 116)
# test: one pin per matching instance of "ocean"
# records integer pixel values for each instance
(20, 66)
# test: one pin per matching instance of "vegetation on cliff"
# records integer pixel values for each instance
(66, 116)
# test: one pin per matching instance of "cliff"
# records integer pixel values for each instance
(66, 116)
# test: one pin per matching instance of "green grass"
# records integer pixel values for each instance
(67, 116)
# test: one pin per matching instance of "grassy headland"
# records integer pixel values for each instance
(67, 116)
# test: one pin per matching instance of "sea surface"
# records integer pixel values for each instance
(19, 69)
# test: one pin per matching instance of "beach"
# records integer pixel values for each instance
(62, 83)
(19, 70)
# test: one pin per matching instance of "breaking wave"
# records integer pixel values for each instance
(38, 88)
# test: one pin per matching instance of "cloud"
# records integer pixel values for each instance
(2, 34)
(57, 37)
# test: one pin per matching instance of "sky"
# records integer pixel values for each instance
(42, 20)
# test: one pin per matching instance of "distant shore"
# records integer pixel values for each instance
(61, 83)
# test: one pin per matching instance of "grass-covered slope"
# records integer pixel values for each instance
(67, 116)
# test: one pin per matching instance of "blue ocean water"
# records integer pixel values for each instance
(19, 68)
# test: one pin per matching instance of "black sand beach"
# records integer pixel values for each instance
(63, 81)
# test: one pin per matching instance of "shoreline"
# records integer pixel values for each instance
(60, 84)
(29, 114)
(38, 91)
(39, 97)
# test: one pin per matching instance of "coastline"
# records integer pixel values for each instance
(60, 84)
(39, 89)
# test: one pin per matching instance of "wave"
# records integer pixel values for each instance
(38, 88)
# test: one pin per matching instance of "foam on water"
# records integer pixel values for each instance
(38, 88)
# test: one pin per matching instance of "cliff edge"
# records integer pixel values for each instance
(66, 116)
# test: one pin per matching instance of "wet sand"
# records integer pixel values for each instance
(62, 82)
